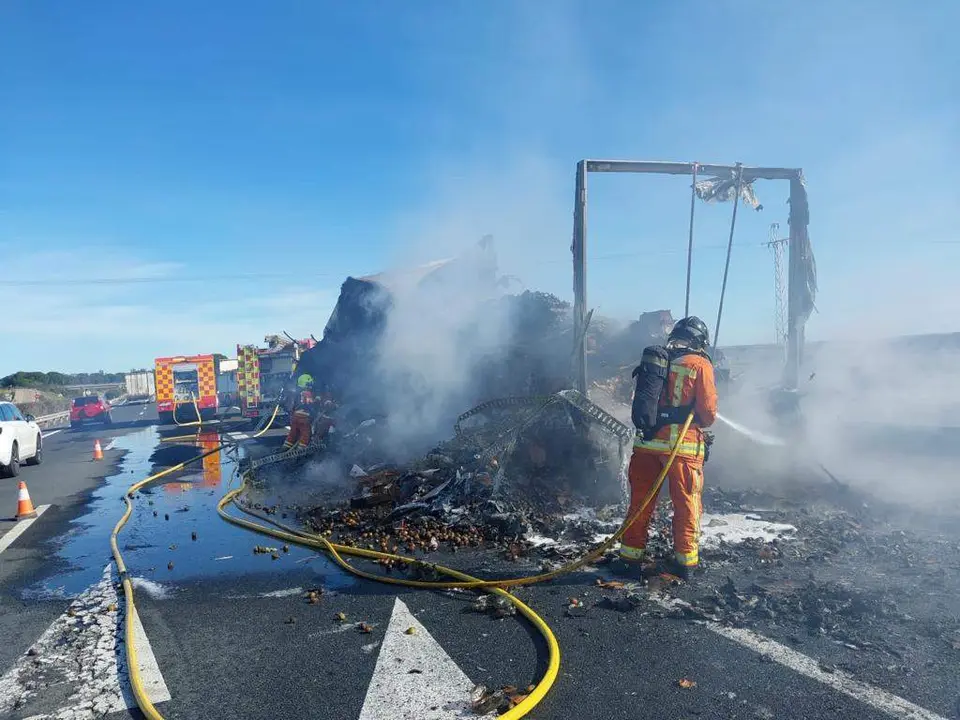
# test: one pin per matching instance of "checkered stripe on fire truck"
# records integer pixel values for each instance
(164, 381)
(248, 373)
(207, 379)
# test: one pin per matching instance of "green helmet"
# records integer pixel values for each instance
(305, 381)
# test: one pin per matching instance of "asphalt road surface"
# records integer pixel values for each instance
(227, 632)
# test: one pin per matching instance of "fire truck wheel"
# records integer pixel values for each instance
(166, 418)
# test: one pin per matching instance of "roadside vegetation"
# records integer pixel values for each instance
(43, 393)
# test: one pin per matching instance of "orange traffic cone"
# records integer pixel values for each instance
(25, 507)
(97, 451)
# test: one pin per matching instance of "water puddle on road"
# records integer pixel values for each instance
(158, 542)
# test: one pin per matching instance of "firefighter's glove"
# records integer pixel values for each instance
(708, 438)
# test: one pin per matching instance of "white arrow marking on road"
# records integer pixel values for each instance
(81, 657)
(414, 678)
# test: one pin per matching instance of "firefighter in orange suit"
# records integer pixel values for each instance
(302, 417)
(689, 385)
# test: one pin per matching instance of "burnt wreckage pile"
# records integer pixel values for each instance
(531, 458)
(516, 468)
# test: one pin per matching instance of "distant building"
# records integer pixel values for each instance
(656, 324)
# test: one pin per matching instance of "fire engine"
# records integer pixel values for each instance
(262, 373)
(186, 384)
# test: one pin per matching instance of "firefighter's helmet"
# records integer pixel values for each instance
(305, 381)
(691, 331)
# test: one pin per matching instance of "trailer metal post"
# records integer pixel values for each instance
(800, 252)
(798, 235)
(579, 250)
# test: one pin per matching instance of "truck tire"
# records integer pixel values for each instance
(166, 418)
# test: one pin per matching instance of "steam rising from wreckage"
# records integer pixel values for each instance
(531, 448)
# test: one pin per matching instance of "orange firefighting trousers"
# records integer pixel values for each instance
(299, 430)
(686, 486)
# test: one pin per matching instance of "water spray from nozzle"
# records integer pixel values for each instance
(757, 437)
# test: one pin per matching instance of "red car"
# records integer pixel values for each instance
(90, 408)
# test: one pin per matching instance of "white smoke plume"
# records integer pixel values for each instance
(879, 415)
(439, 329)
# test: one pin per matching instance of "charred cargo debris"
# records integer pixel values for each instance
(541, 464)
(521, 472)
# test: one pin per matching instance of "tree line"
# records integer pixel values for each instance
(58, 379)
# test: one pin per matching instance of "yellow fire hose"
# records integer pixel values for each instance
(196, 407)
(337, 551)
(194, 437)
(136, 682)
(276, 409)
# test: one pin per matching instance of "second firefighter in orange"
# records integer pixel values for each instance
(301, 419)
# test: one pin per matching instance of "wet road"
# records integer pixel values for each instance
(230, 634)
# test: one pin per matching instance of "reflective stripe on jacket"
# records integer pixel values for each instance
(304, 403)
(689, 382)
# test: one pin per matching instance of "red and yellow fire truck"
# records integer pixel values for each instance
(186, 384)
(263, 372)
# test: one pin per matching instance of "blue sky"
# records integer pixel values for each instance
(296, 143)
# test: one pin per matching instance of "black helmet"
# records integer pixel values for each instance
(693, 330)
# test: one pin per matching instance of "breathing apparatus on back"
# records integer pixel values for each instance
(689, 335)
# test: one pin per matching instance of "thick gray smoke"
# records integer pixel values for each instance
(442, 325)
(879, 415)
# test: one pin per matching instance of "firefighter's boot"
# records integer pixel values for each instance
(684, 572)
(624, 569)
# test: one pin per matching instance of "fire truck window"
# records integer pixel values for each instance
(185, 384)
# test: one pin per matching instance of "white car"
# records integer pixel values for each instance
(20, 440)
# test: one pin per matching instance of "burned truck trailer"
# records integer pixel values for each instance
(348, 362)
(347, 353)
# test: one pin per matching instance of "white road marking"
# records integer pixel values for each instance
(414, 677)
(18, 529)
(150, 674)
(76, 658)
(238, 436)
(48, 434)
(840, 681)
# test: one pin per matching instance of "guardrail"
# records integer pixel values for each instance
(52, 418)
